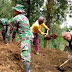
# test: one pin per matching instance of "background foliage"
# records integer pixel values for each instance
(36, 8)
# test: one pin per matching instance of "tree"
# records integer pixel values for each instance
(28, 9)
(60, 9)
(32, 9)
(56, 13)
(49, 18)
(14, 2)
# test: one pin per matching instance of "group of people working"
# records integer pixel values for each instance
(20, 24)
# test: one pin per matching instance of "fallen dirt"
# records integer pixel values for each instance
(48, 61)
(51, 36)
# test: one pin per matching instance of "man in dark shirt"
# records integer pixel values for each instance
(68, 37)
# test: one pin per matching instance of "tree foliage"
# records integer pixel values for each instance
(32, 6)
(5, 9)
(59, 11)
(36, 8)
(59, 42)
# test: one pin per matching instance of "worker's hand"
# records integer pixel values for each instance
(69, 57)
(45, 34)
(48, 29)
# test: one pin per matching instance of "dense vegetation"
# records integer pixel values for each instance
(36, 8)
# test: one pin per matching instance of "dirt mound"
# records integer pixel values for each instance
(10, 60)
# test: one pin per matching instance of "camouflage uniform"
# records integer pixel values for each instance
(4, 23)
(22, 27)
(9, 32)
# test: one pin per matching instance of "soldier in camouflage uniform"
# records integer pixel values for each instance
(22, 27)
(5, 24)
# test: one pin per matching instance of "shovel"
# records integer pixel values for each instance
(69, 58)
(60, 67)
(64, 63)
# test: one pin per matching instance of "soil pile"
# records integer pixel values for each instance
(51, 36)
(48, 61)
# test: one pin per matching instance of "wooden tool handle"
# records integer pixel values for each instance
(64, 63)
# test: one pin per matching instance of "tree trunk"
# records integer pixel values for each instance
(14, 2)
(28, 9)
(48, 19)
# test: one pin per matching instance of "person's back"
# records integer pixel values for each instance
(35, 27)
(21, 23)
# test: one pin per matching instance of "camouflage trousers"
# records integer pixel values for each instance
(26, 50)
(25, 54)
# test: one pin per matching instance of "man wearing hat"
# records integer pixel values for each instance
(68, 37)
(5, 24)
(22, 27)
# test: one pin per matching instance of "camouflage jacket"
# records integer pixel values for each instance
(22, 27)
(4, 23)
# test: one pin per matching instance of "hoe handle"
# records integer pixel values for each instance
(64, 63)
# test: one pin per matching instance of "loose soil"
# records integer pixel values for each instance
(51, 36)
(48, 61)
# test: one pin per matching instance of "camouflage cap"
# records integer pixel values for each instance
(19, 8)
